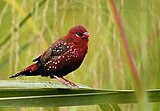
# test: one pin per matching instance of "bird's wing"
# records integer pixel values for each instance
(58, 48)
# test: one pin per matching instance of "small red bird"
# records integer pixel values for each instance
(62, 57)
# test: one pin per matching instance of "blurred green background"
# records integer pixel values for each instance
(105, 65)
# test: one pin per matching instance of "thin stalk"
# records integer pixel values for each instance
(8, 36)
(106, 107)
(134, 72)
(124, 42)
(141, 94)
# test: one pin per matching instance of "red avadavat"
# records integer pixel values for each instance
(62, 57)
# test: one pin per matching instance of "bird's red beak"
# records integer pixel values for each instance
(85, 35)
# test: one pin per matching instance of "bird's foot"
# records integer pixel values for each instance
(66, 82)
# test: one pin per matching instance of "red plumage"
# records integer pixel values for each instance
(62, 57)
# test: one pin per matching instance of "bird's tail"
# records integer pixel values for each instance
(28, 71)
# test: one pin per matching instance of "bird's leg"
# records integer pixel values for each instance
(70, 82)
(65, 81)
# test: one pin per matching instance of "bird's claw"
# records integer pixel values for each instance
(66, 82)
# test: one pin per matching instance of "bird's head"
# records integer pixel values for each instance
(78, 33)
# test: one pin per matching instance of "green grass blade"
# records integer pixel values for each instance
(50, 97)
(106, 107)
(116, 107)
(35, 85)
(41, 94)
(8, 36)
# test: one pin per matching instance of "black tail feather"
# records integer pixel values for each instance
(16, 75)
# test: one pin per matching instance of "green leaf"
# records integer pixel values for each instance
(41, 94)
(106, 107)
(116, 107)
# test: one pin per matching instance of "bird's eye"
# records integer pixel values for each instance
(78, 34)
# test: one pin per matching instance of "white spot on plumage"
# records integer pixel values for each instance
(58, 50)
(75, 50)
(71, 46)
(72, 52)
(59, 57)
